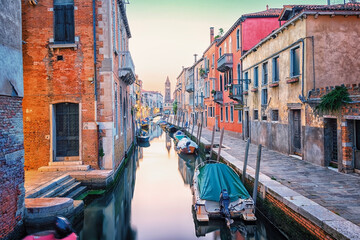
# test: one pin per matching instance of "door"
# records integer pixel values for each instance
(331, 149)
(357, 145)
(247, 125)
(67, 129)
(296, 132)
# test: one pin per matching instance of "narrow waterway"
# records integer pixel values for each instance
(153, 200)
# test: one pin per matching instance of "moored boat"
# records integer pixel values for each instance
(143, 136)
(186, 146)
(219, 193)
(178, 135)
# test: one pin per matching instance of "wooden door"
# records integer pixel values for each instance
(297, 132)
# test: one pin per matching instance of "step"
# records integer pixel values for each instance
(60, 187)
(69, 189)
(48, 186)
(64, 168)
(65, 163)
(77, 192)
(74, 158)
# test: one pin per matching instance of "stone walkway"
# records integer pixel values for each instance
(34, 179)
(338, 192)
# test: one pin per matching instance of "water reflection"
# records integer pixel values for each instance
(159, 205)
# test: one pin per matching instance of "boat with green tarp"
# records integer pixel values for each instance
(219, 193)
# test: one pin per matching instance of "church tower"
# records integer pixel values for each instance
(167, 90)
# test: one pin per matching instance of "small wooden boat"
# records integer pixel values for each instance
(179, 135)
(172, 129)
(219, 193)
(186, 146)
(63, 231)
(143, 136)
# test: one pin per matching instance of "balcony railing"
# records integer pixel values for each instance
(189, 87)
(225, 62)
(235, 92)
(218, 97)
(127, 68)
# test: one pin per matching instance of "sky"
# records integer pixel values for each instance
(167, 33)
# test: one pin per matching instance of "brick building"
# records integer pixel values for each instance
(12, 190)
(77, 72)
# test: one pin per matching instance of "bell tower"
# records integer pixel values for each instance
(167, 90)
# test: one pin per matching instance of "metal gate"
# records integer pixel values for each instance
(67, 129)
(334, 150)
(297, 131)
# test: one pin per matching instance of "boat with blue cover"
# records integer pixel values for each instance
(219, 193)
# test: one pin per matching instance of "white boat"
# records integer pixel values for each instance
(186, 146)
(219, 193)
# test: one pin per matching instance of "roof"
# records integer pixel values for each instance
(289, 11)
(269, 13)
(124, 17)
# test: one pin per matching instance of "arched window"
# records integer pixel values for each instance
(238, 73)
(221, 83)
(225, 48)
(230, 45)
(220, 52)
(238, 39)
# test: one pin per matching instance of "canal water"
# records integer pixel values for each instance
(153, 200)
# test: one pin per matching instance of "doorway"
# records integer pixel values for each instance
(357, 145)
(296, 132)
(331, 142)
(67, 130)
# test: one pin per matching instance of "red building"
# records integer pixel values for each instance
(246, 32)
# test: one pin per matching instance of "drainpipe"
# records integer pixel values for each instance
(95, 56)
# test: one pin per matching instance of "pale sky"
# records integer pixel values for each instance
(167, 33)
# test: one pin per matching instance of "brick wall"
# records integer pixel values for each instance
(12, 190)
(56, 75)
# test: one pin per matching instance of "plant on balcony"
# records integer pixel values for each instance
(213, 92)
(334, 100)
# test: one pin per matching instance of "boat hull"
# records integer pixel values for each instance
(191, 150)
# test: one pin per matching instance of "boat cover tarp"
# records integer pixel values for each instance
(217, 176)
(182, 143)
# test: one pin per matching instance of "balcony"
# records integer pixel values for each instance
(218, 97)
(189, 87)
(127, 68)
(225, 62)
(235, 92)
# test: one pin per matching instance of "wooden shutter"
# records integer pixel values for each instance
(59, 11)
(69, 23)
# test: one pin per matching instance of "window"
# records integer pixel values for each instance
(256, 114)
(220, 52)
(230, 45)
(225, 48)
(264, 117)
(208, 64)
(274, 115)
(226, 114)
(213, 61)
(64, 29)
(239, 116)
(238, 73)
(265, 73)
(231, 113)
(238, 39)
(256, 77)
(246, 81)
(295, 62)
(275, 69)
(221, 83)
(221, 114)
(213, 84)
(264, 96)
(116, 110)
(230, 76)
(114, 24)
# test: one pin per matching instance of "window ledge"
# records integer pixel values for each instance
(274, 84)
(292, 79)
(63, 45)
(254, 89)
(245, 92)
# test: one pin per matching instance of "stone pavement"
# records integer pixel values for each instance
(337, 192)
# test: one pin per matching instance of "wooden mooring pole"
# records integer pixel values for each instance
(258, 158)
(220, 144)
(200, 131)
(193, 126)
(246, 159)
(212, 142)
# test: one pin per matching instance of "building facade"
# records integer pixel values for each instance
(77, 76)
(152, 103)
(12, 192)
(296, 65)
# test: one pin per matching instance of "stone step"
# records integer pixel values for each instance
(80, 190)
(65, 163)
(73, 158)
(64, 168)
(60, 187)
(48, 186)
(69, 189)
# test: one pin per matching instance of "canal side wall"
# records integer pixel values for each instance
(295, 215)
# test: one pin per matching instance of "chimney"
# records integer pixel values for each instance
(195, 55)
(211, 34)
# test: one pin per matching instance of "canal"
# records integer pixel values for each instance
(153, 200)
